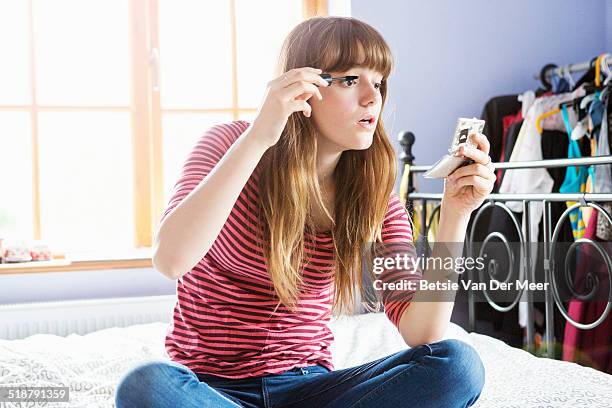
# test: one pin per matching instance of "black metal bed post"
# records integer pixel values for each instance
(549, 305)
(529, 274)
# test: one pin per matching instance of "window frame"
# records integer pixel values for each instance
(146, 117)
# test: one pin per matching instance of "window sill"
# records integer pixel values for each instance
(84, 261)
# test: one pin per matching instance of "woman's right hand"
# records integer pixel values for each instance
(285, 95)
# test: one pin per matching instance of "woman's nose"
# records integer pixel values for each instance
(370, 94)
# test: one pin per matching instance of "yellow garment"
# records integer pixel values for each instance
(586, 211)
(416, 220)
(587, 187)
(417, 207)
(404, 184)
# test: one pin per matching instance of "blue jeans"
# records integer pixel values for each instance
(448, 373)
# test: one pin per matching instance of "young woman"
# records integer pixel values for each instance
(265, 233)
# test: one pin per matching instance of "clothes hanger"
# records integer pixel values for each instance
(608, 73)
(564, 81)
(593, 72)
(546, 84)
(583, 104)
(568, 77)
(583, 100)
(544, 116)
(526, 98)
(598, 96)
(588, 76)
(556, 111)
(586, 100)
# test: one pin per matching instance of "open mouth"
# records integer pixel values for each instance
(367, 121)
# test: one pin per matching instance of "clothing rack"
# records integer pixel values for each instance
(549, 69)
(552, 299)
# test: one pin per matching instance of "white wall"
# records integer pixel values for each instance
(40, 287)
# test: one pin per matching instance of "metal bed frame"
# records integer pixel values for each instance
(552, 297)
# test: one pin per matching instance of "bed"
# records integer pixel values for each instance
(91, 364)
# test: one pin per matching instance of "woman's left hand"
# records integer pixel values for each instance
(467, 187)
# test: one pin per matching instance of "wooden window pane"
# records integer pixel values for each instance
(181, 131)
(82, 52)
(259, 40)
(195, 53)
(86, 179)
(16, 219)
(14, 43)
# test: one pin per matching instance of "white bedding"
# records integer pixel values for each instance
(92, 364)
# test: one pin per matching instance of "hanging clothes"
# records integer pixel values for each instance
(528, 147)
(603, 173)
(575, 180)
(509, 121)
(529, 135)
(591, 347)
(499, 114)
(494, 113)
(509, 143)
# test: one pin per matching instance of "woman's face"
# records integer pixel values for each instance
(344, 103)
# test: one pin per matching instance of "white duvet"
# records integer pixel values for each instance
(92, 364)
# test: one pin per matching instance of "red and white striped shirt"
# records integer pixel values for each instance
(225, 322)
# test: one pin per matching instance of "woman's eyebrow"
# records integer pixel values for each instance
(366, 68)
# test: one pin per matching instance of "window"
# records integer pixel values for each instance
(102, 100)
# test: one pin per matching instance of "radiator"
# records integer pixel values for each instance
(62, 318)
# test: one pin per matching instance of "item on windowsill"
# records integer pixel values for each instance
(16, 252)
(451, 161)
(40, 252)
(58, 255)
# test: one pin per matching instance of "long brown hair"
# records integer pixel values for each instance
(364, 178)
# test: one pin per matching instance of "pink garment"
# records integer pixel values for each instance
(593, 347)
(507, 122)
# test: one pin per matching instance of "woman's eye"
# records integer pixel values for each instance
(351, 82)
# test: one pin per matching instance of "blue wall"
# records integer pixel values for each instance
(452, 56)
(608, 42)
